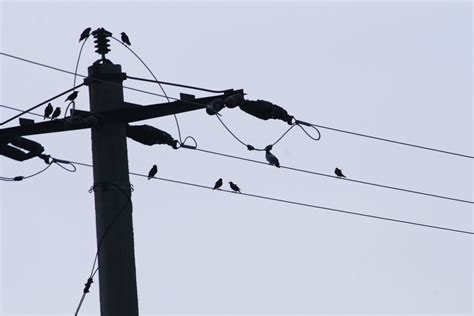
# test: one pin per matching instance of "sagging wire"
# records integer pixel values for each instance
(296, 123)
(49, 162)
(156, 80)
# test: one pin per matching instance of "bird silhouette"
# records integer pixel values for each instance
(125, 39)
(218, 184)
(72, 96)
(56, 113)
(47, 111)
(339, 173)
(234, 187)
(152, 172)
(85, 34)
(272, 159)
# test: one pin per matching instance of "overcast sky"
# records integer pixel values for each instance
(400, 70)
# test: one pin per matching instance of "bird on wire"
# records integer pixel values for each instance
(72, 96)
(56, 113)
(271, 158)
(152, 172)
(218, 184)
(234, 187)
(339, 173)
(85, 34)
(125, 39)
(47, 111)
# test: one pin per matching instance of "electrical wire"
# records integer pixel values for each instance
(19, 110)
(42, 103)
(156, 80)
(251, 147)
(316, 125)
(177, 85)
(55, 161)
(297, 203)
(334, 177)
(95, 269)
(194, 147)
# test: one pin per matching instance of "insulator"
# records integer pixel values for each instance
(101, 40)
(214, 107)
(266, 110)
(14, 151)
(149, 135)
(234, 100)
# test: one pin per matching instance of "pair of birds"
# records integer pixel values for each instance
(85, 34)
(48, 111)
(233, 186)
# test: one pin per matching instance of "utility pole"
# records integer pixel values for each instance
(109, 119)
(112, 191)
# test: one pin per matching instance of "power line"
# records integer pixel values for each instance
(296, 203)
(317, 125)
(334, 177)
(19, 110)
(42, 103)
(309, 171)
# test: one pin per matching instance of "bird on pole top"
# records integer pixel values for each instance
(125, 39)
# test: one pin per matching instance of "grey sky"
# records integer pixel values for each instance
(400, 70)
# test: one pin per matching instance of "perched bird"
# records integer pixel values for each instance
(152, 172)
(56, 113)
(272, 159)
(234, 187)
(218, 184)
(85, 34)
(125, 39)
(339, 173)
(72, 96)
(47, 111)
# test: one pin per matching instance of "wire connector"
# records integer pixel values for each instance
(87, 285)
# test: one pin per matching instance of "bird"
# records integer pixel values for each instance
(56, 113)
(72, 96)
(234, 187)
(218, 184)
(47, 111)
(152, 172)
(339, 173)
(272, 159)
(85, 34)
(125, 39)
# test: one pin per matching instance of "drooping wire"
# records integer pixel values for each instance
(156, 80)
(251, 147)
(95, 269)
(49, 162)
(75, 74)
(316, 125)
(299, 203)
